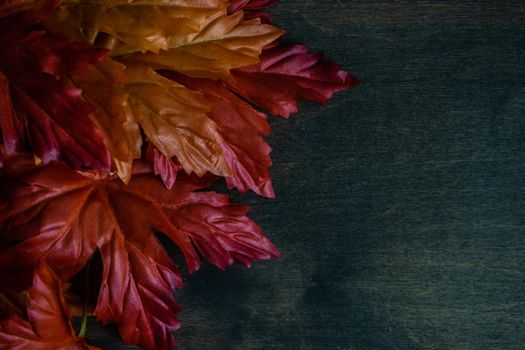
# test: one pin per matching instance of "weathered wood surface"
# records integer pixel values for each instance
(400, 205)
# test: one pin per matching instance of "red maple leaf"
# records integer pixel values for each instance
(242, 129)
(64, 216)
(40, 109)
(162, 165)
(47, 323)
(287, 74)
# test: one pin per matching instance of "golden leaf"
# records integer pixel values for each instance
(103, 86)
(134, 25)
(225, 43)
(174, 118)
(194, 37)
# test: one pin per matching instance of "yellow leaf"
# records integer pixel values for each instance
(194, 37)
(103, 86)
(225, 43)
(134, 25)
(174, 118)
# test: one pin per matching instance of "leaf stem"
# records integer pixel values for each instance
(83, 324)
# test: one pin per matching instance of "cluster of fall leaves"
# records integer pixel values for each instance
(114, 115)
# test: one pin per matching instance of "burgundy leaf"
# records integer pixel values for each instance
(65, 215)
(287, 74)
(39, 108)
(162, 165)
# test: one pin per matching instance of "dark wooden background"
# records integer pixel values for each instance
(400, 205)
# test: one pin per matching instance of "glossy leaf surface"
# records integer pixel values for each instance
(66, 215)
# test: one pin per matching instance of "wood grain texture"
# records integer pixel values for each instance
(400, 204)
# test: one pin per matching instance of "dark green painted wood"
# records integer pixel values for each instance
(400, 205)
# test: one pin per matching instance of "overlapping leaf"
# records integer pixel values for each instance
(135, 25)
(196, 38)
(39, 108)
(47, 326)
(165, 167)
(286, 74)
(103, 87)
(242, 128)
(177, 84)
(173, 117)
(227, 42)
(66, 215)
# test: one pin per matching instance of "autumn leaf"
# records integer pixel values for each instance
(39, 108)
(135, 25)
(166, 94)
(166, 167)
(242, 129)
(103, 87)
(227, 42)
(67, 215)
(252, 9)
(47, 326)
(173, 117)
(175, 121)
(195, 38)
(131, 95)
(286, 74)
